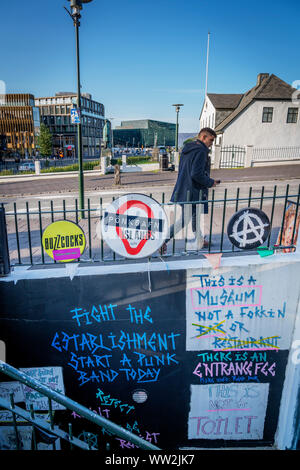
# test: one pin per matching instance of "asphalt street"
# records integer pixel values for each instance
(93, 181)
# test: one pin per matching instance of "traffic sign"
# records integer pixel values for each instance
(134, 226)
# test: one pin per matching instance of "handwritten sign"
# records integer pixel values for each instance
(244, 309)
(7, 417)
(128, 356)
(228, 411)
(51, 377)
(11, 387)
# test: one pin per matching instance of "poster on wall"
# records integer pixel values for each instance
(6, 388)
(51, 377)
(233, 411)
(245, 309)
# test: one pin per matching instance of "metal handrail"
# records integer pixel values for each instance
(40, 423)
(113, 428)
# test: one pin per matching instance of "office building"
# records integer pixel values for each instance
(144, 133)
(19, 123)
(55, 113)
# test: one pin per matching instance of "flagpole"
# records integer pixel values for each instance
(206, 79)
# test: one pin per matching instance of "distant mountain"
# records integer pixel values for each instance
(182, 136)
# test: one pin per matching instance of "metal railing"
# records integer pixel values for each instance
(25, 226)
(52, 431)
(232, 156)
(275, 153)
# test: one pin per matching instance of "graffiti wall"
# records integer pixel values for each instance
(196, 358)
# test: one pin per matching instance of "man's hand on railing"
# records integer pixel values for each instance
(216, 183)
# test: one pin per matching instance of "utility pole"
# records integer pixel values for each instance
(76, 7)
(177, 109)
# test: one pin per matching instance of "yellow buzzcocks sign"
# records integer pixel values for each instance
(63, 240)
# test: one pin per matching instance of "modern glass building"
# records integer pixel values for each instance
(19, 122)
(144, 133)
(55, 112)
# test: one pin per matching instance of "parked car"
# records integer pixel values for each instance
(28, 166)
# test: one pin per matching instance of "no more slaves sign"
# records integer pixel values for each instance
(134, 226)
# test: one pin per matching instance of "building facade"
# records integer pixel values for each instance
(144, 133)
(55, 113)
(265, 116)
(19, 123)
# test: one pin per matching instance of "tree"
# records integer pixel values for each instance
(45, 141)
(191, 139)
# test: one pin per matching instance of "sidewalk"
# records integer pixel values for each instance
(258, 173)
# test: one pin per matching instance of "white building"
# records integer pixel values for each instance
(265, 116)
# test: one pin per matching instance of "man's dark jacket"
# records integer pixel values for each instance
(193, 173)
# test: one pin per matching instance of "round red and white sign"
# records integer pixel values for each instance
(134, 226)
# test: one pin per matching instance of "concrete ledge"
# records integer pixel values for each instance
(80, 269)
(274, 162)
(135, 168)
(69, 174)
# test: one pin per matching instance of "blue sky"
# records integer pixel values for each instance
(138, 58)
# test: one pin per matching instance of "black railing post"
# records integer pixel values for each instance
(4, 252)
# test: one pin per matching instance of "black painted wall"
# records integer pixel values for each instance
(113, 336)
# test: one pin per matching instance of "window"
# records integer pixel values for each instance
(267, 115)
(292, 115)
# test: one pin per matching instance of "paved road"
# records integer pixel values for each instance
(93, 181)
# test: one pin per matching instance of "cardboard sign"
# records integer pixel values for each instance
(228, 411)
(11, 387)
(243, 309)
(49, 376)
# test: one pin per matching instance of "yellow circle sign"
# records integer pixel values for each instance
(63, 241)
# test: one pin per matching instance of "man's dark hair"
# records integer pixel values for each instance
(207, 130)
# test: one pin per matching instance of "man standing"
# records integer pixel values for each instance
(193, 178)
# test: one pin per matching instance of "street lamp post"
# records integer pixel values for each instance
(60, 142)
(112, 137)
(177, 109)
(76, 7)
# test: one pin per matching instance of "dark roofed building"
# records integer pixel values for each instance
(222, 101)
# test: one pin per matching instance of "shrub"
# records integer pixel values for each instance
(6, 172)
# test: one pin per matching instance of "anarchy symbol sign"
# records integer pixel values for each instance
(248, 228)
